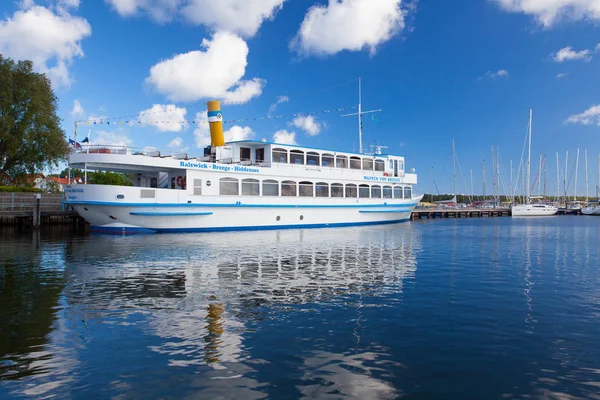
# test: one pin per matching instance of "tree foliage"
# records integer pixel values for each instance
(109, 178)
(31, 138)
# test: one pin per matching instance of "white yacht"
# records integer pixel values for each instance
(530, 209)
(591, 209)
(242, 185)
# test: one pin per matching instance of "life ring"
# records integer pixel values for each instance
(386, 174)
(180, 181)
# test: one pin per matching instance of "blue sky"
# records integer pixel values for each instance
(440, 70)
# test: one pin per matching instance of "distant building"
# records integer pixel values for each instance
(42, 182)
(65, 181)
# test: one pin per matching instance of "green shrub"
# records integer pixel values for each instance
(19, 189)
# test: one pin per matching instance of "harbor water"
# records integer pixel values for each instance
(464, 308)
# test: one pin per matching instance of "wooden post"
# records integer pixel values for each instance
(37, 210)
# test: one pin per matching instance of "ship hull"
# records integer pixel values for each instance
(101, 207)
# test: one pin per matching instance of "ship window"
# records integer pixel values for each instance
(306, 189)
(288, 188)
(337, 190)
(327, 160)
(197, 187)
(229, 187)
(387, 192)
(250, 187)
(363, 191)
(407, 192)
(312, 158)
(397, 192)
(322, 189)
(367, 164)
(379, 165)
(280, 156)
(341, 162)
(270, 188)
(260, 155)
(375, 192)
(391, 164)
(244, 153)
(400, 165)
(355, 163)
(351, 190)
(296, 157)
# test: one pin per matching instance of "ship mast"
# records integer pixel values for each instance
(529, 159)
(360, 114)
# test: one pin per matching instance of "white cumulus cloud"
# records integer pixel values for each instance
(561, 75)
(164, 117)
(348, 25)
(51, 40)
(109, 138)
(243, 17)
(548, 12)
(284, 137)
(77, 111)
(501, 73)
(175, 143)
(568, 54)
(280, 99)
(159, 10)
(308, 124)
(237, 132)
(216, 72)
(69, 3)
(591, 116)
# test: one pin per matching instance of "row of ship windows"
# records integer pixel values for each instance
(268, 187)
(329, 160)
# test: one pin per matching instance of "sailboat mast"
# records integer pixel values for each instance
(586, 177)
(483, 175)
(565, 176)
(540, 175)
(454, 165)
(557, 178)
(472, 191)
(529, 157)
(576, 170)
(511, 181)
(360, 132)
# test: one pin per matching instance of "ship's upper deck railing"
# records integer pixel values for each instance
(154, 152)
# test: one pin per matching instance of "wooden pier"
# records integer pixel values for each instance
(432, 213)
(459, 213)
(36, 210)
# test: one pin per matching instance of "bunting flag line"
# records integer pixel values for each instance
(133, 120)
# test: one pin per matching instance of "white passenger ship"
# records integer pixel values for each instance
(242, 185)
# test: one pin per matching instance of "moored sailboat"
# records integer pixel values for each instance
(530, 209)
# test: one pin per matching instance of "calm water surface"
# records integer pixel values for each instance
(470, 308)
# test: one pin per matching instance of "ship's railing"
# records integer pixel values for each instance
(153, 152)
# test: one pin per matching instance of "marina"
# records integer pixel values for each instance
(271, 199)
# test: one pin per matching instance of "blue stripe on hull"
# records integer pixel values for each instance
(169, 214)
(126, 230)
(238, 204)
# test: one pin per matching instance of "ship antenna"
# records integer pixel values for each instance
(360, 114)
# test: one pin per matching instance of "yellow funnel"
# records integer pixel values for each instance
(215, 122)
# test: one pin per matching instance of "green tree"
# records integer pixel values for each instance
(109, 178)
(31, 138)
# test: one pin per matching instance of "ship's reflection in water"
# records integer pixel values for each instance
(188, 305)
(469, 308)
